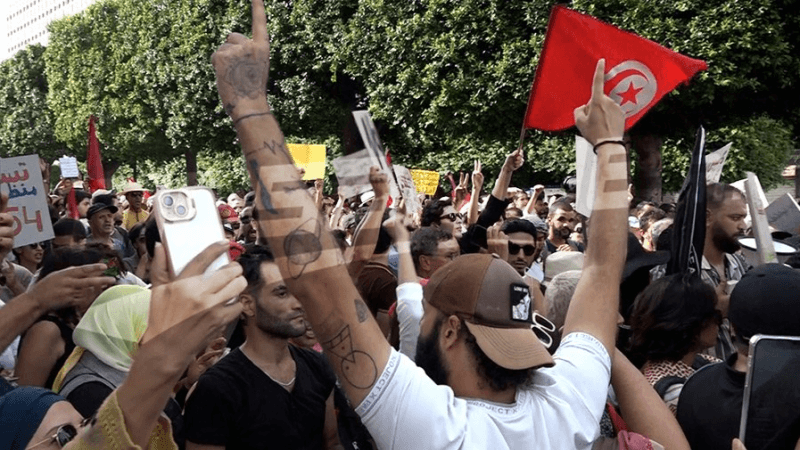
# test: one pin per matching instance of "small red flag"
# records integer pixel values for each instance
(94, 165)
(639, 72)
(72, 205)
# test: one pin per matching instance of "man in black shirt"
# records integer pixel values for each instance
(266, 393)
(764, 301)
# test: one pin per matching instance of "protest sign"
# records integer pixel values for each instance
(586, 169)
(406, 184)
(763, 197)
(426, 181)
(69, 167)
(27, 199)
(715, 161)
(309, 157)
(372, 142)
(784, 214)
(764, 244)
(352, 172)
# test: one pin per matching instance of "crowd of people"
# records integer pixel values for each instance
(491, 319)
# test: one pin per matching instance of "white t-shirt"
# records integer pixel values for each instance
(560, 410)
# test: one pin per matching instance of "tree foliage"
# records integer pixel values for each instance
(26, 123)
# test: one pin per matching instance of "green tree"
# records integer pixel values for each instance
(26, 123)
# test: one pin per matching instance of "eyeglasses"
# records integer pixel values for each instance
(245, 219)
(513, 248)
(64, 434)
(36, 245)
(452, 217)
(542, 328)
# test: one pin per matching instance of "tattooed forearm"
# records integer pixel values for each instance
(266, 199)
(247, 78)
(302, 246)
(275, 146)
(356, 367)
(362, 311)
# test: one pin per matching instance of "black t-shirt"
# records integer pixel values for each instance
(710, 406)
(236, 405)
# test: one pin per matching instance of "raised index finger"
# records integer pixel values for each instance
(259, 21)
(599, 80)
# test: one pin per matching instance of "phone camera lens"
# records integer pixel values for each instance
(181, 210)
(168, 201)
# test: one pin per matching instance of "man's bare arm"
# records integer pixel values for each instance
(594, 307)
(305, 252)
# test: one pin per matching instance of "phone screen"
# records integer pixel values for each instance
(771, 408)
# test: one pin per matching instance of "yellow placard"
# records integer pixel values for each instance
(425, 180)
(310, 157)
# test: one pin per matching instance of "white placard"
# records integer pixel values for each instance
(586, 169)
(369, 134)
(765, 246)
(406, 185)
(763, 197)
(714, 163)
(21, 178)
(352, 172)
(69, 167)
(784, 214)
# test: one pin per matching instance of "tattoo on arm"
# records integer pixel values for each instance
(362, 311)
(266, 199)
(302, 246)
(275, 146)
(357, 368)
(246, 79)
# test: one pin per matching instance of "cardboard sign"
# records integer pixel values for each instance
(784, 214)
(715, 161)
(352, 172)
(309, 157)
(586, 170)
(69, 167)
(763, 197)
(27, 200)
(764, 244)
(426, 181)
(372, 142)
(406, 184)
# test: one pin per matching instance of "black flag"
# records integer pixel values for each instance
(689, 228)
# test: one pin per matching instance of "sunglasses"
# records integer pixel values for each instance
(36, 245)
(513, 248)
(543, 329)
(452, 217)
(64, 434)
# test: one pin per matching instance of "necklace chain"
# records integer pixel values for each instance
(286, 384)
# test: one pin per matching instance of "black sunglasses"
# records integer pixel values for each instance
(452, 217)
(36, 245)
(513, 248)
(64, 434)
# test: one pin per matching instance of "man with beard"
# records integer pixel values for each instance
(561, 221)
(266, 393)
(722, 266)
(521, 244)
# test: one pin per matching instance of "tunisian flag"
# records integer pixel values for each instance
(639, 72)
(94, 165)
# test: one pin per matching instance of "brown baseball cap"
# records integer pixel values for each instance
(496, 305)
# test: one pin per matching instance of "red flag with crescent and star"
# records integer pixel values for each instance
(639, 72)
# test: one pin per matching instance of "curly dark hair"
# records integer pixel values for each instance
(668, 317)
(432, 213)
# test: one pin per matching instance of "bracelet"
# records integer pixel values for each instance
(247, 116)
(610, 141)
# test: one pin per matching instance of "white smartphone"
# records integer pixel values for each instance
(771, 406)
(188, 222)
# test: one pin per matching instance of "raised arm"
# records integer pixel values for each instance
(305, 252)
(475, 198)
(366, 235)
(595, 305)
(513, 162)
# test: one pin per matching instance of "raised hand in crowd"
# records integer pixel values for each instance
(475, 197)
(497, 241)
(366, 235)
(513, 162)
(460, 191)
